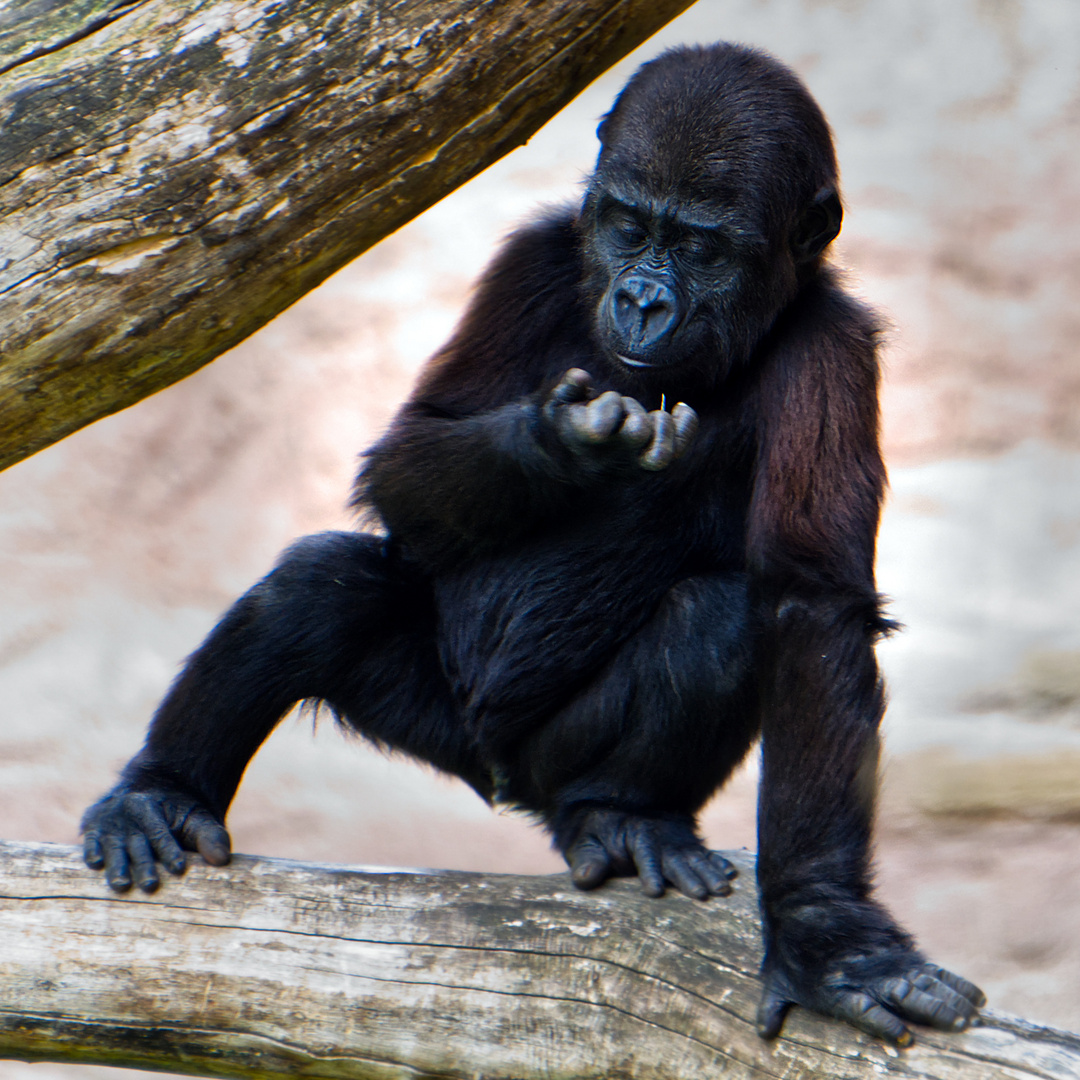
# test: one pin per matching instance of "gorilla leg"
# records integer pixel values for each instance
(338, 620)
(620, 773)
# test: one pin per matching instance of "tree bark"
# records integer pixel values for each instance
(174, 173)
(268, 967)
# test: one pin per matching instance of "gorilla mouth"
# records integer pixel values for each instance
(633, 363)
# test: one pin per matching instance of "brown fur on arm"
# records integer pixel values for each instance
(811, 539)
(820, 478)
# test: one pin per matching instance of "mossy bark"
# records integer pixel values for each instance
(174, 173)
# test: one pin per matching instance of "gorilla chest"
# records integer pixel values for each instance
(568, 595)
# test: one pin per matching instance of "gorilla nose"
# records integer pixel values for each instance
(643, 311)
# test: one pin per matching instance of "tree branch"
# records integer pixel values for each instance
(174, 173)
(269, 967)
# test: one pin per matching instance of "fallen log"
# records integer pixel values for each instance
(174, 173)
(269, 968)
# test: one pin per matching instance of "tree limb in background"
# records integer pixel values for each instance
(272, 968)
(175, 173)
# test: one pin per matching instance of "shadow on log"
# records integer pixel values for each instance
(269, 968)
(174, 173)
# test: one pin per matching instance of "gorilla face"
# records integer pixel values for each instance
(675, 286)
(692, 288)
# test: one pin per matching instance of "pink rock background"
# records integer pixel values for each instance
(958, 130)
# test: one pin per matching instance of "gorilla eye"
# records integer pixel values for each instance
(699, 247)
(628, 231)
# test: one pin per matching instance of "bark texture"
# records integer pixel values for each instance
(174, 173)
(267, 968)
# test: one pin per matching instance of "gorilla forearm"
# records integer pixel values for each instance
(465, 486)
(822, 700)
(448, 486)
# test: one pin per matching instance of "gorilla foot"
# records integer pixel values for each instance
(662, 851)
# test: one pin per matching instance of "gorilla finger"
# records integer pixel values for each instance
(686, 425)
(143, 868)
(202, 832)
(575, 385)
(149, 817)
(590, 874)
(573, 423)
(772, 1008)
(604, 415)
(168, 851)
(923, 1007)
(726, 866)
(214, 846)
(647, 861)
(170, 854)
(945, 994)
(716, 881)
(636, 430)
(117, 871)
(955, 982)
(680, 873)
(590, 864)
(93, 855)
(662, 451)
(862, 1011)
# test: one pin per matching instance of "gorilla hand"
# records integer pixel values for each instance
(130, 829)
(874, 984)
(583, 421)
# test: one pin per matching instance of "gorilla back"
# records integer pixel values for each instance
(589, 606)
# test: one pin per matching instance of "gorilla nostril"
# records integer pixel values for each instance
(658, 317)
(643, 309)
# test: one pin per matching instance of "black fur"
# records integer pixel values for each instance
(588, 607)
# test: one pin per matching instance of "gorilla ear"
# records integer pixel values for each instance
(818, 226)
(601, 128)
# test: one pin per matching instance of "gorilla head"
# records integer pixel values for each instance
(714, 195)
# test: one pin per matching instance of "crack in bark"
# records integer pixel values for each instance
(719, 1051)
(291, 1049)
(603, 961)
(124, 7)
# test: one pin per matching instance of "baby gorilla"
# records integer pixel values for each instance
(590, 607)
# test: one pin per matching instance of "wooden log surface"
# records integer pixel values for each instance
(174, 173)
(269, 967)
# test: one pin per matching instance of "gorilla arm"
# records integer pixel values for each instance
(498, 435)
(829, 945)
(458, 487)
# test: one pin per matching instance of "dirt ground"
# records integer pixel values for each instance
(957, 132)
